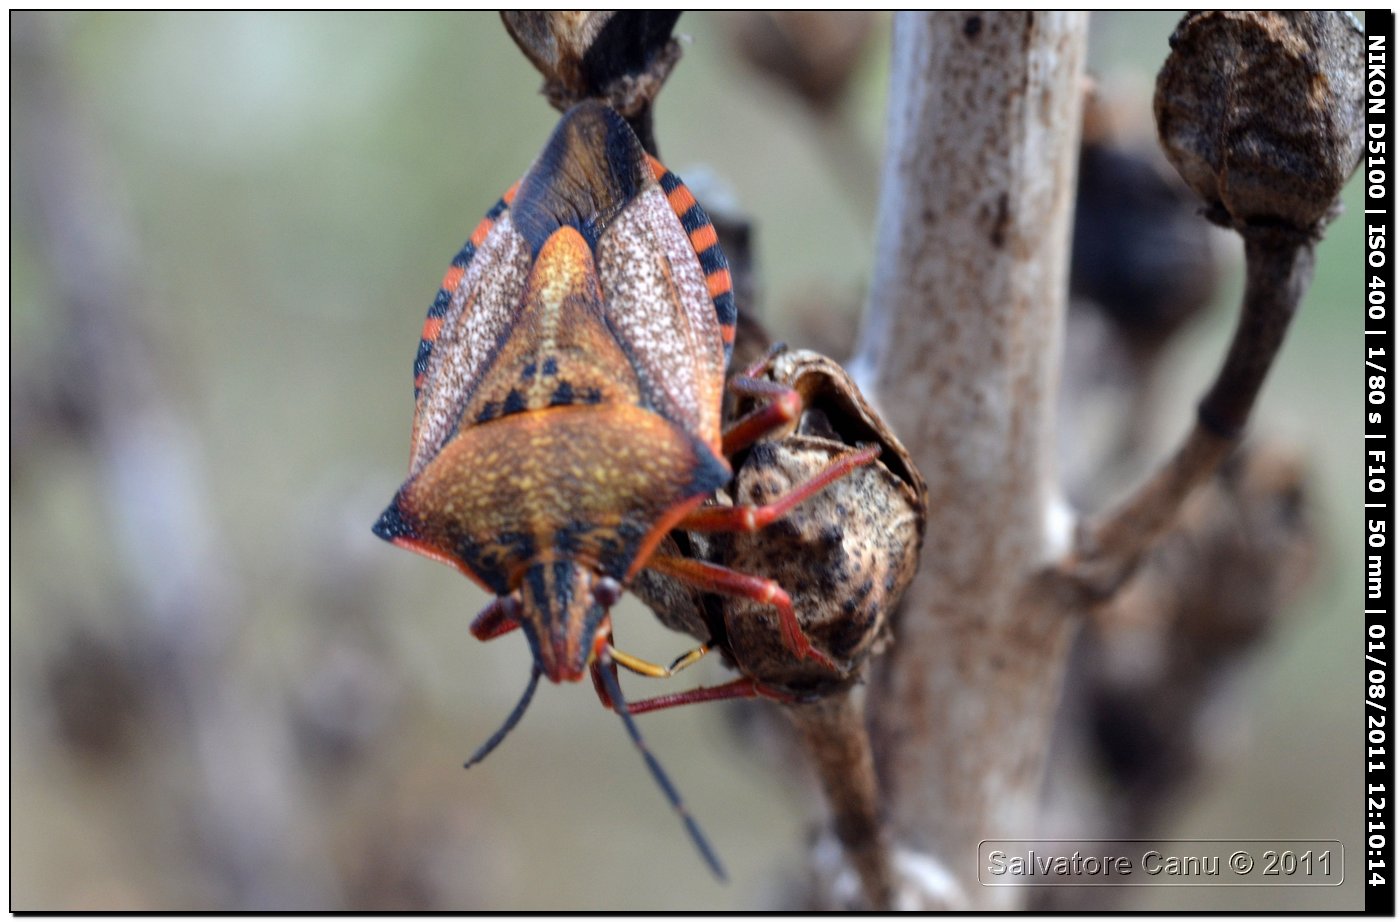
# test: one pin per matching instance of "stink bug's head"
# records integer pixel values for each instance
(564, 613)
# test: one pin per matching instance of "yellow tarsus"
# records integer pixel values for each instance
(652, 670)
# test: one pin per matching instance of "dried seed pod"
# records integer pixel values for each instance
(1262, 113)
(1141, 255)
(845, 556)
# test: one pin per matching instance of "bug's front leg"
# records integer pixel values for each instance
(784, 406)
(499, 617)
(616, 657)
(752, 518)
(745, 687)
(711, 577)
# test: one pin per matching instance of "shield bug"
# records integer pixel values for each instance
(568, 395)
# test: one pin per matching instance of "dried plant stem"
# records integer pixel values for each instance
(960, 351)
(1279, 264)
(833, 733)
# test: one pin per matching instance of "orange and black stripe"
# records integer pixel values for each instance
(706, 243)
(432, 324)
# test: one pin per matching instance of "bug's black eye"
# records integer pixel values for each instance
(606, 591)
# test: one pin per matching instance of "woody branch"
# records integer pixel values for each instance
(1267, 157)
(960, 349)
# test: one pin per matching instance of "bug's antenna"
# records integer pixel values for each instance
(511, 721)
(614, 689)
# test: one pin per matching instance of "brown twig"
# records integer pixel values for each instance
(1259, 112)
(1279, 267)
(832, 731)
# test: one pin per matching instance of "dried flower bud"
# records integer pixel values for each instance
(99, 694)
(845, 556)
(1262, 113)
(621, 57)
(1141, 255)
(1211, 592)
(812, 52)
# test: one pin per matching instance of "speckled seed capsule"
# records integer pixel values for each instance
(845, 556)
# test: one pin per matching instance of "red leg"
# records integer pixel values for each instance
(784, 407)
(599, 686)
(496, 619)
(752, 518)
(601, 660)
(714, 578)
(768, 355)
(739, 688)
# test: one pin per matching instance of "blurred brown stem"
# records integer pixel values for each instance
(834, 736)
(1279, 264)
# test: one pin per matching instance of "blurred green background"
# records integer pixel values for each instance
(292, 187)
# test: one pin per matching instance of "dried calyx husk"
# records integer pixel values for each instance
(621, 57)
(1142, 258)
(844, 556)
(1262, 113)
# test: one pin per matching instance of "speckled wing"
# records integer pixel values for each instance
(469, 320)
(660, 310)
(588, 175)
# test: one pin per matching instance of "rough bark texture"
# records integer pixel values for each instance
(960, 351)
